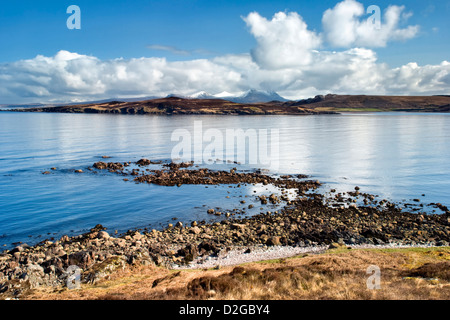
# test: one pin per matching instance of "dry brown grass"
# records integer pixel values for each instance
(337, 274)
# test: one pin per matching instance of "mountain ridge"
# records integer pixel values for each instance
(249, 96)
(320, 104)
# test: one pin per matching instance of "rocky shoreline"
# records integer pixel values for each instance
(310, 222)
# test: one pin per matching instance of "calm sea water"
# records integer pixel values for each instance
(399, 156)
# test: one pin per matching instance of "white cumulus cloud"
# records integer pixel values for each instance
(282, 42)
(288, 58)
(347, 25)
(69, 77)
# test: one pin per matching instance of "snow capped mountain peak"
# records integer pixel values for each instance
(225, 94)
(200, 95)
(249, 96)
(253, 96)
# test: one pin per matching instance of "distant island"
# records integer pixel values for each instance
(328, 104)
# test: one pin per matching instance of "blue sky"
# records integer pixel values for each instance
(186, 30)
(112, 29)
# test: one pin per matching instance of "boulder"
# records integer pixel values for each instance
(195, 230)
(237, 226)
(97, 228)
(64, 238)
(81, 259)
(336, 245)
(35, 275)
(273, 241)
(143, 162)
(101, 270)
(137, 236)
(100, 165)
(190, 252)
(209, 247)
(103, 235)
